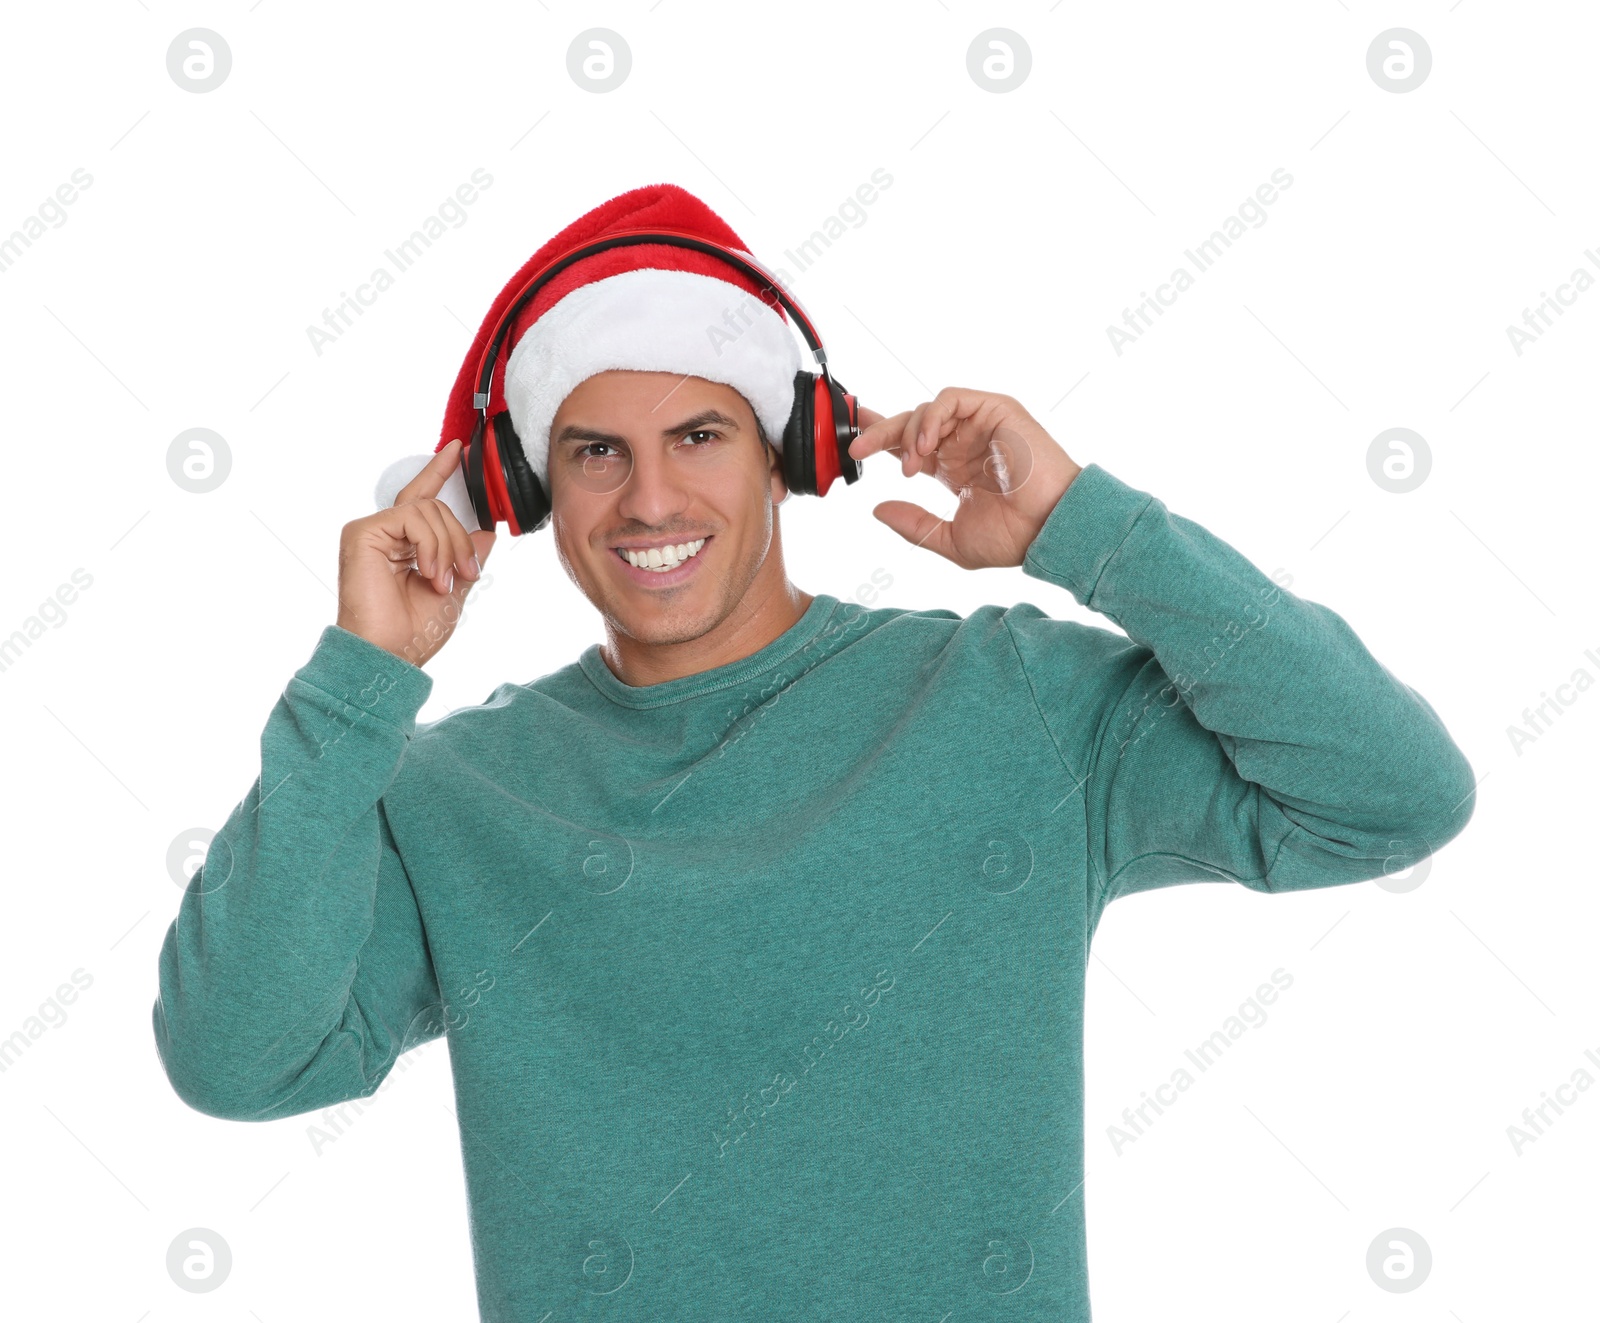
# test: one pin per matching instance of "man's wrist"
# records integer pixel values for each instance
(1090, 521)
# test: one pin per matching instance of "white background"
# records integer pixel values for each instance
(1018, 227)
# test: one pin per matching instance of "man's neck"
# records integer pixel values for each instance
(755, 622)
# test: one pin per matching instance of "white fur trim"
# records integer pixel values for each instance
(651, 320)
(453, 493)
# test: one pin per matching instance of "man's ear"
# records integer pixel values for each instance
(779, 485)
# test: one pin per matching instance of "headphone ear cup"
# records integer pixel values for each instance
(799, 437)
(835, 414)
(529, 501)
(472, 474)
(846, 427)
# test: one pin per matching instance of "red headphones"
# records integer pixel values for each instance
(816, 439)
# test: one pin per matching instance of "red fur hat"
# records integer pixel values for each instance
(647, 307)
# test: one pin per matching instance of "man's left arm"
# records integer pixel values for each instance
(1239, 731)
(1242, 731)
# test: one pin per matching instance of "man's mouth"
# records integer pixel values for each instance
(661, 560)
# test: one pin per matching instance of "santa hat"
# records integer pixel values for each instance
(647, 307)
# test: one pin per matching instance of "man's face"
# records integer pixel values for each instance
(648, 459)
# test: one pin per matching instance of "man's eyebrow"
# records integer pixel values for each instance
(572, 432)
(699, 420)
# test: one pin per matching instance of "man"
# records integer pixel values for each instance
(759, 933)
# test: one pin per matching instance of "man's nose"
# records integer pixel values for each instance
(654, 489)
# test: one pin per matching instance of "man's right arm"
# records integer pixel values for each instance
(297, 971)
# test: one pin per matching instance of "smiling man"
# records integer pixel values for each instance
(701, 492)
(760, 933)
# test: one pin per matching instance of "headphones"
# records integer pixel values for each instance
(816, 439)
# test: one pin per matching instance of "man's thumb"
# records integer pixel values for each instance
(916, 525)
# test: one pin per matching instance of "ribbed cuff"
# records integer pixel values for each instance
(1083, 532)
(367, 678)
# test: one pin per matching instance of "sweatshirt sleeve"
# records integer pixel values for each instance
(297, 971)
(1239, 732)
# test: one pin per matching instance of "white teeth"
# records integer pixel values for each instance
(662, 559)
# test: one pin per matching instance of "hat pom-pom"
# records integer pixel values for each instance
(454, 492)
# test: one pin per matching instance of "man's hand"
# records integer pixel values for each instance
(1006, 469)
(398, 581)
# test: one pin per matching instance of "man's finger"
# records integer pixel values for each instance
(927, 420)
(940, 420)
(879, 434)
(917, 526)
(435, 473)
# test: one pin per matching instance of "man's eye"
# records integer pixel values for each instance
(584, 451)
(702, 432)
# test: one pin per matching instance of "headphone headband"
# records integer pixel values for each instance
(628, 239)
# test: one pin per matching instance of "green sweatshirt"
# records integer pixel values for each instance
(763, 987)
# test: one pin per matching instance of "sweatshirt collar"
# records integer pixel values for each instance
(791, 641)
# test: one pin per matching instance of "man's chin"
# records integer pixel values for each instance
(659, 619)
(666, 628)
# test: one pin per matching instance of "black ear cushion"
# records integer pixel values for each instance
(799, 437)
(529, 501)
